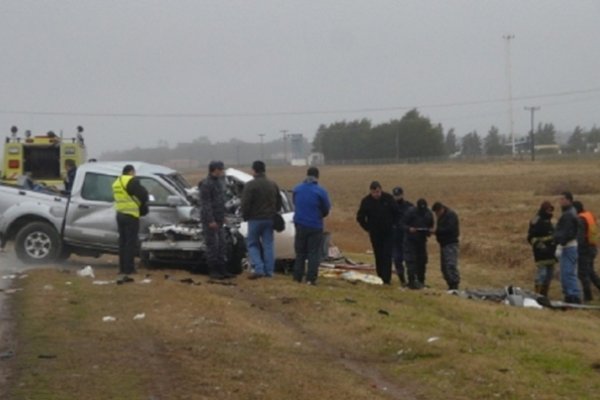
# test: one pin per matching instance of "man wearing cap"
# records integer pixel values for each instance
(131, 203)
(376, 215)
(586, 251)
(402, 208)
(418, 222)
(212, 216)
(541, 238)
(261, 200)
(565, 236)
(311, 204)
(447, 232)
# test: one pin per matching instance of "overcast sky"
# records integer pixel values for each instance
(248, 67)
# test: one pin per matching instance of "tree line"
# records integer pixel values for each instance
(416, 136)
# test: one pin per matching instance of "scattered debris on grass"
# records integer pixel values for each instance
(350, 300)
(48, 287)
(139, 316)
(108, 318)
(47, 356)
(85, 272)
(384, 312)
(100, 283)
(354, 277)
(5, 355)
(125, 279)
(433, 339)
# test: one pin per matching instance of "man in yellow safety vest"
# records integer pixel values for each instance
(131, 200)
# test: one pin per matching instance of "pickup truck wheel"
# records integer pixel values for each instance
(38, 243)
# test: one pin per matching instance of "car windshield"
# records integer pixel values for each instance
(177, 181)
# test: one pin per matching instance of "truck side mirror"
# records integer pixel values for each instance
(175, 201)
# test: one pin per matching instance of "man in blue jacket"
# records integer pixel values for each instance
(312, 204)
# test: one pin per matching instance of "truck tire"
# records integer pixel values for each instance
(38, 243)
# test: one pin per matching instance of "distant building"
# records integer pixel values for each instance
(316, 159)
(297, 146)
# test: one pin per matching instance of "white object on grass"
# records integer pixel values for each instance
(85, 272)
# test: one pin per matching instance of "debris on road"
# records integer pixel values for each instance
(88, 271)
(108, 318)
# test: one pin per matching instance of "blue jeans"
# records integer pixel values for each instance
(260, 246)
(568, 272)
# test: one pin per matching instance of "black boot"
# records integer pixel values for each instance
(402, 280)
(573, 299)
(224, 273)
(544, 290)
(587, 294)
(214, 271)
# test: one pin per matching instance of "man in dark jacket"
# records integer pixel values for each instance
(261, 200)
(447, 233)
(376, 215)
(311, 204)
(587, 251)
(418, 222)
(565, 237)
(131, 203)
(402, 207)
(212, 216)
(541, 238)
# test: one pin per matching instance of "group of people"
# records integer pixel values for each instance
(399, 231)
(572, 243)
(260, 206)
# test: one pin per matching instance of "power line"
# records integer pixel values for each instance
(291, 113)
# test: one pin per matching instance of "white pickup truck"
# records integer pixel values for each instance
(47, 227)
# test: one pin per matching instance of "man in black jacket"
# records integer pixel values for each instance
(261, 200)
(541, 238)
(565, 236)
(447, 232)
(376, 215)
(212, 216)
(418, 222)
(399, 228)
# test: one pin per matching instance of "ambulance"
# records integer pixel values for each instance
(41, 157)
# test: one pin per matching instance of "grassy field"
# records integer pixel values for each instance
(274, 339)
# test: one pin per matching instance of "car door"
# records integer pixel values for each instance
(91, 217)
(160, 213)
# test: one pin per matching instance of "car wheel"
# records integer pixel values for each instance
(38, 243)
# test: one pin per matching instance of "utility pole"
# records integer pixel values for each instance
(508, 38)
(285, 157)
(262, 147)
(532, 110)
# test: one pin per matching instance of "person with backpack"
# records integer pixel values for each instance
(587, 251)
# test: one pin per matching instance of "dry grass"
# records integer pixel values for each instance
(277, 339)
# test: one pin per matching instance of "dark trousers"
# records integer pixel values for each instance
(585, 271)
(216, 249)
(307, 244)
(398, 253)
(128, 242)
(415, 254)
(383, 244)
(449, 263)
